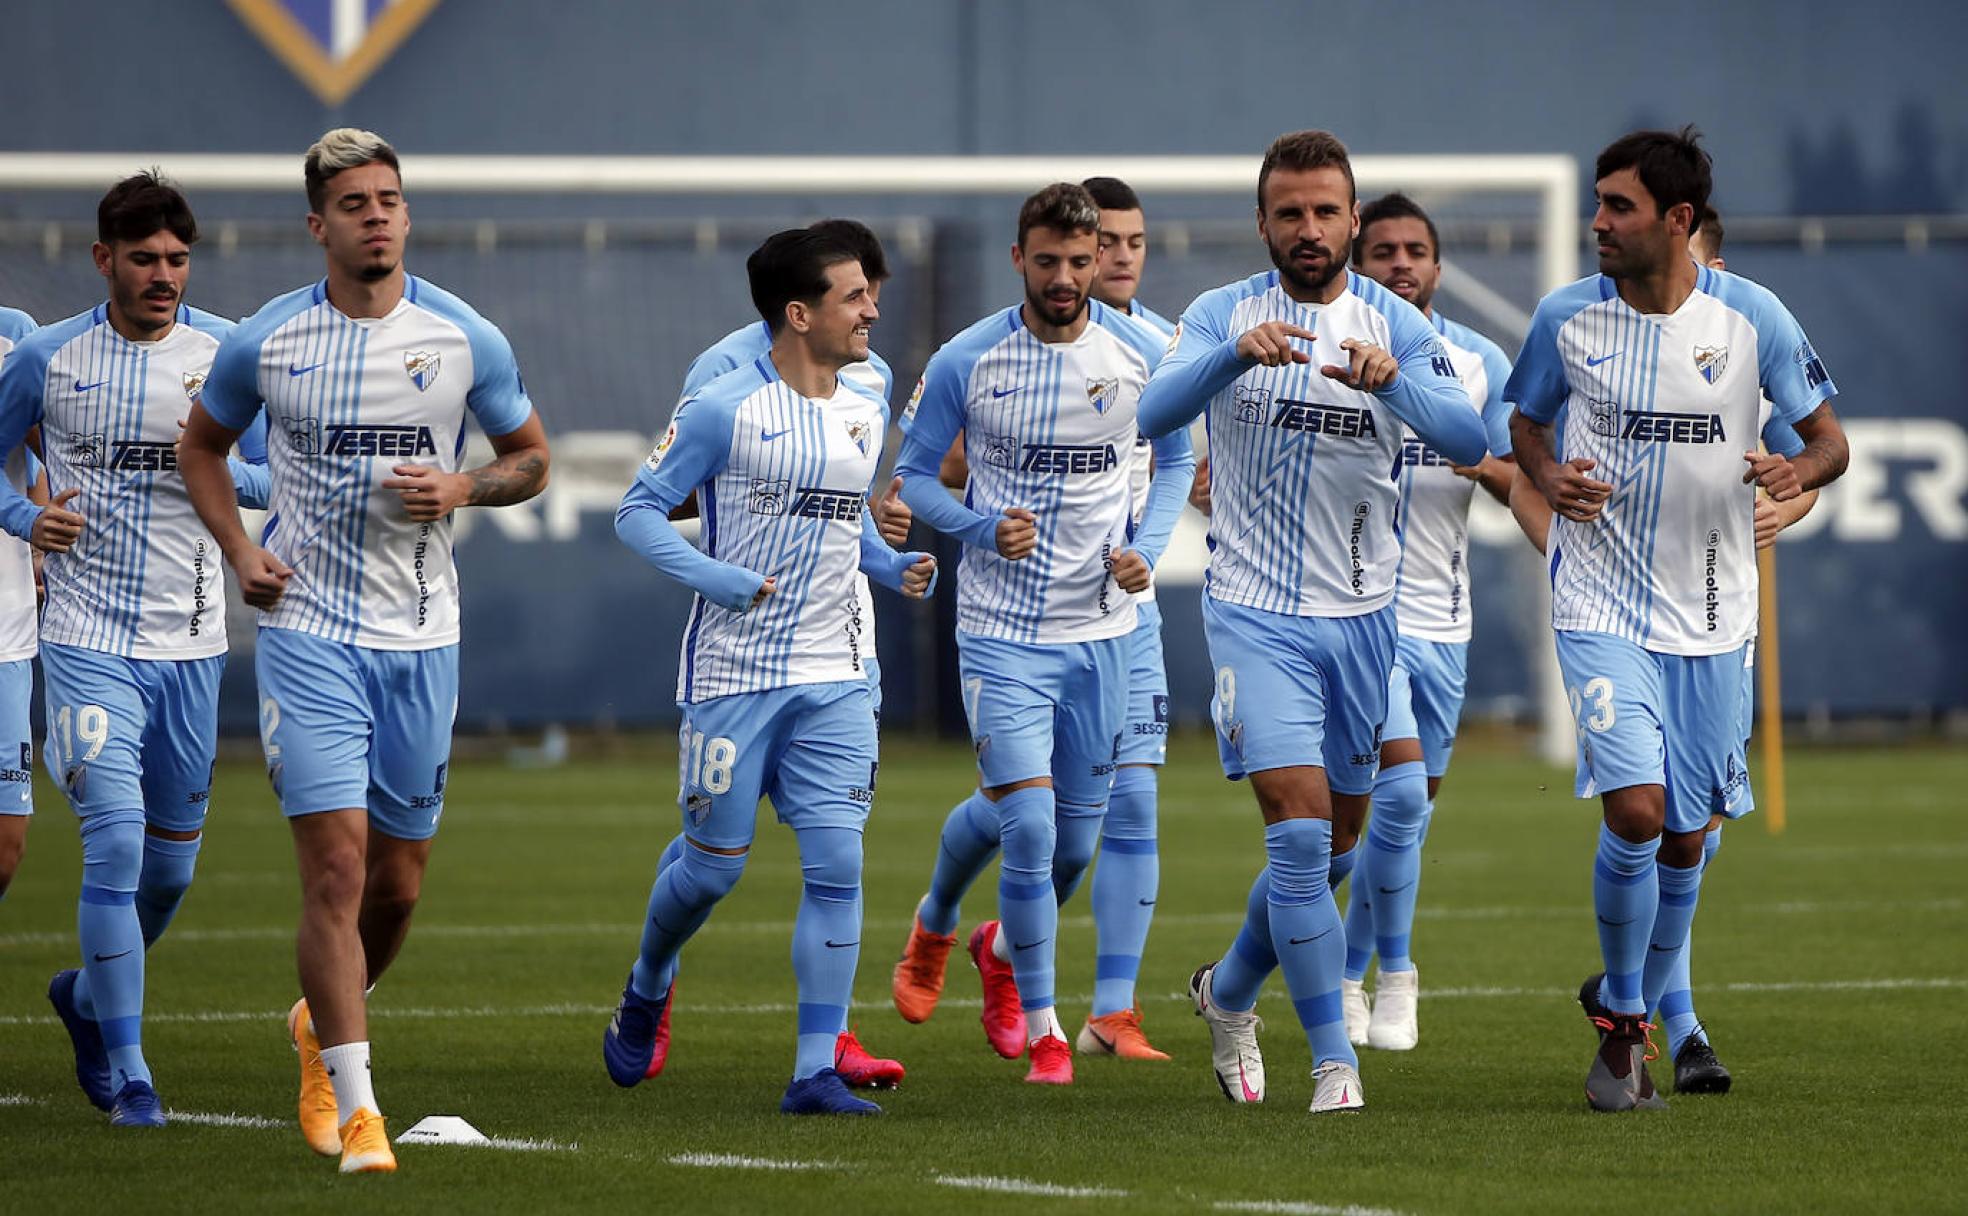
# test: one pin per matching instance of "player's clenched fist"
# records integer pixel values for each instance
(1270, 344)
(1371, 368)
(1199, 486)
(917, 576)
(1131, 572)
(1018, 534)
(1774, 473)
(892, 516)
(1571, 493)
(56, 528)
(262, 577)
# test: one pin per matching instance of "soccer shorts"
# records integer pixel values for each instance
(133, 734)
(872, 666)
(809, 748)
(1046, 710)
(1144, 735)
(1299, 690)
(351, 727)
(1424, 697)
(16, 737)
(1657, 719)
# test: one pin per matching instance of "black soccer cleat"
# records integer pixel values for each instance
(1697, 1071)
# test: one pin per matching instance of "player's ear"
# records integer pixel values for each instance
(103, 256)
(1681, 220)
(1018, 257)
(798, 317)
(317, 229)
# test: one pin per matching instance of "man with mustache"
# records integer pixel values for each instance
(1308, 373)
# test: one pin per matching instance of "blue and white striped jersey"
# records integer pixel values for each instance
(1431, 598)
(1144, 460)
(1667, 406)
(18, 626)
(782, 484)
(145, 579)
(1049, 427)
(346, 399)
(1301, 465)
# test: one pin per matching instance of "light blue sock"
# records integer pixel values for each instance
(1306, 932)
(1677, 1004)
(1679, 890)
(1126, 884)
(826, 941)
(1240, 974)
(1077, 835)
(167, 869)
(1360, 916)
(1027, 910)
(666, 975)
(1400, 810)
(680, 901)
(970, 836)
(1341, 867)
(112, 938)
(1625, 894)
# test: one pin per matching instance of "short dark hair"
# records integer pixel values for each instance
(1062, 207)
(792, 265)
(1710, 230)
(338, 150)
(1305, 150)
(860, 238)
(1672, 165)
(1112, 194)
(1395, 206)
(141, 205)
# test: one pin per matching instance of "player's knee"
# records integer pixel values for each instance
(334, 875)
(830, 863)
(1635, 816)
(1029, 834)
(112, 850)
(1400, 807)
(704, 877)
(1682, 850)
(1131, 808)
(1300, 855)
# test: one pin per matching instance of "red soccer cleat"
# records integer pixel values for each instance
(1004, 1014)
(1052, 1062)
(861, 1070)
(661, 1055)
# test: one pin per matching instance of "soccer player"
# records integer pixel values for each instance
(1399, 248)
(1657, 364)
(19, 625)
(892, 516)
(134, 639)
(1045, 391)
(365, 379)
(782, 453)
(1308, 373)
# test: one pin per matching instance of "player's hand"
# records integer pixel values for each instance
(262, 576)
(1018, 534)
(1199, 486)
(1269, 344)
(1774, 473)
(428, 494)
(1473, 472)
(766, 588)
(893, 516)
(1574, 495)
(56, 528)
(1768, 522)
(1132, 572)
(917, 575)
(1371, 368)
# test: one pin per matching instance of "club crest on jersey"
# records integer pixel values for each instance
(87, 451)
(1101, 393)
(422, 367)
(1000, 450)
(860, 433)
(1250, 405)
(1600, 416)
(1711, 362)
(194, 382)
(304, 436)
(768, 496)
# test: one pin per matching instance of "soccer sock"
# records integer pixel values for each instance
(1625, 893)
(1250, 961)
(167, 870)
(1125, 886)
(679, 902)
(1042, 1022)
(1360, 914)
(1400, 809)
(348, 1072)
(970, 833)
(1340, 868)
(826, 941)
(1677, 1003)
(1305, 931)
(1679, 890)
(112, 939)
(1028, 913)
(1078, 834)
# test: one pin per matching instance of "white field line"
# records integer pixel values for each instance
(1022, 1186)
(732, 1161)
(522, 1145)
(202, 1119)
(262, 1123)
(1288, 1207)
(17, 1100)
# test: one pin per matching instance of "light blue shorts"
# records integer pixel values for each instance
(1300, 690)
(1144, 737)
(810, 748)
(347, 727)
(17, 737)
(133, 734)
(1658, 719)
(872, 665)
(1053, 710)
(1424, 697)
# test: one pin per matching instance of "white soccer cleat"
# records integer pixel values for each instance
(1233, 1042)
(1353, 1000)
(1336, 1086)
(1392, 1026)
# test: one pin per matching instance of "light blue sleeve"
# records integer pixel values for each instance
(1496, 411)
(1537, 384)
(1427, 394)
(251, 482)
(883, 564)
(1792, 375)
(1200, 362)
(936, 416)
(1168, 490)
(733, 350)
(497, 395)
(231, 393)
(23, 380)
(886, 373)
(695, 453)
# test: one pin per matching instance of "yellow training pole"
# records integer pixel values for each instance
(1771, 684)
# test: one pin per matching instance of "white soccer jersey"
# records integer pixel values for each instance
(1303, 501)
(1431, 598)
(1049, 427)
(17, 608)
(145, 579)
(782, 484)
(346, 399)
(1666, 405)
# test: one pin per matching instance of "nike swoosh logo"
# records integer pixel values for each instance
(1101, 1039)
(83, 388)
(1300, 941)
(302, 371)
(1029, 945)
(104, 958)
(1146, 903)
(1396, 890)
(1006, 392)
(1592, 362)
(1250, 1095)
(766, 436)
(834, 945)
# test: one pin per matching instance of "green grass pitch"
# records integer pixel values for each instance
(1829, 966)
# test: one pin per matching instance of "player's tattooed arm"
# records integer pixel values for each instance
(517, 472)
(1821, 462)
(1564, 484)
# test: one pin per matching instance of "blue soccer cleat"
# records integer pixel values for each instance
(136, 1105)
(824, 1093)
(629, 1043)
(91, 1057)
